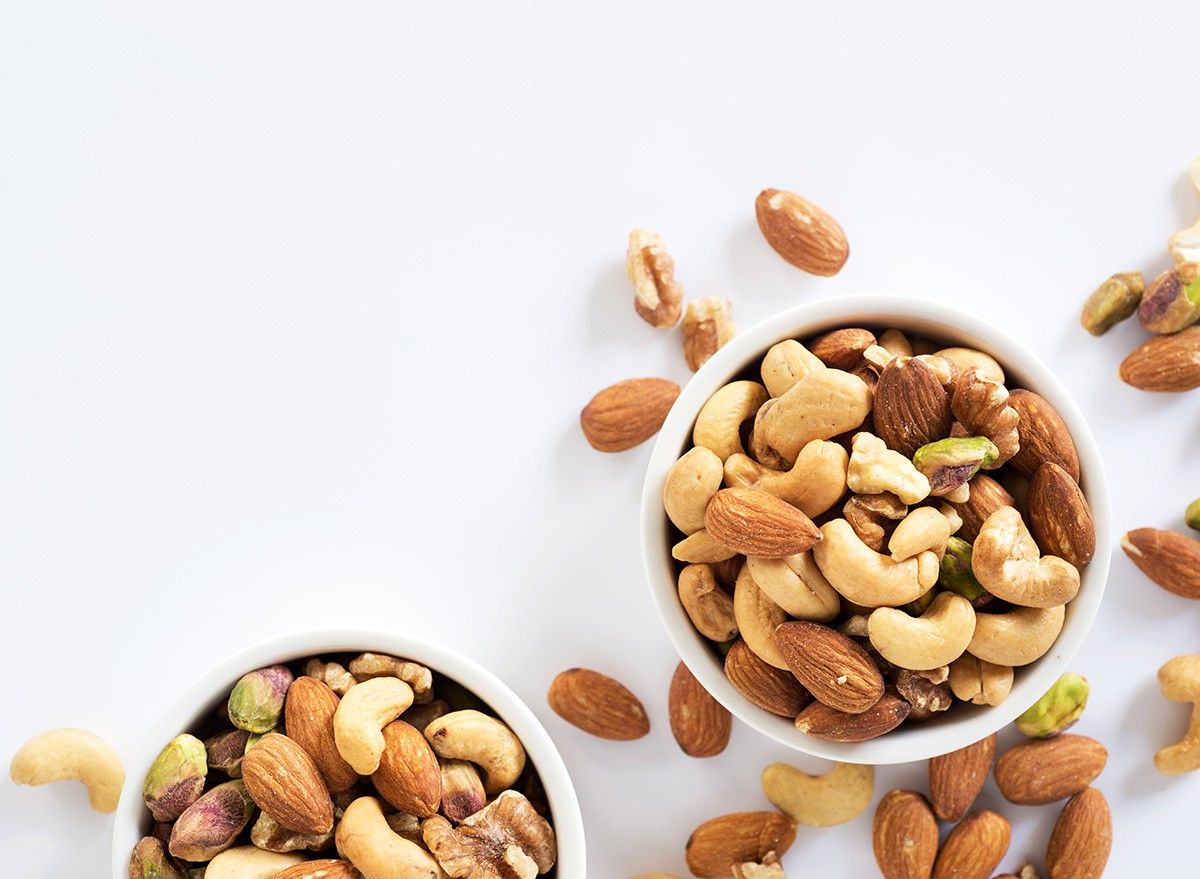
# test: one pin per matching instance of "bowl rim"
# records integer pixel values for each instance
(291, 646)
(916, 742)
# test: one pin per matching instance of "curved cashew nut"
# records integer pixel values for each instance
(962, 359)
(936, 638)
(708, 606)
(1017, 637)
(758, 617)
(1007, 562)
(979, 682)
(924, 529)
(785, 363)
(361, 716)
(867, 578)
(701, 548)
(691, 483)
(820, 406)
(874, 468)
(366, 841)
(814, 483)
(1179, 680)
(74, 755)
(250, 862)
(480, 739)
(719, 424)
(836, 797)
(1185, 244)
(797, 585)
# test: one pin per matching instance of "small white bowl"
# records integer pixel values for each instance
(198, 702)
(963, 724)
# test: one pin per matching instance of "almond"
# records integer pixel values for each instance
(823, 722)
(1171, 560)
(284, 782)
(597, 704)
(843, 349)
(955, 779)
(308, 718)
(987, 496)
(836, 670)
(701, 725)
(1042, 771)
(911, 408)
(753, 522)
(905, 836)
(325, 868)
(1082, 838)
(1044, 435)
(628, 413)
(740, 838)
(408, 776)
(769, 688)
(802, 233)
(1060, 517)
(974, 847)
(1165, 363)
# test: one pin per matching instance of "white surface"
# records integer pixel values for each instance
(302, 301)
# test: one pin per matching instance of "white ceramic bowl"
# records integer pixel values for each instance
(202, 698)
(964, 724)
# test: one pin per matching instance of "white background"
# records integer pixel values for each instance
(301, 302)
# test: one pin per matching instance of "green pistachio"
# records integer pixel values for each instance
(1172, 301)
(1192, 516)
(212, 823)
(253, 739)
(257, 699)
(225, 751)
(149, 861)
(1058, 709)
(957, 576)
(1114, 301)
(949, 463)
(176, 777)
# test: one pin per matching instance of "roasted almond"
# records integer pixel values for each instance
(284, 782)
(1044, 435)
(1042, 771)
(308, 718)
(1171, 560)
(597, 704)
(408, 776)
(628, 413)
(800, 232)
(753, 522)
(1082, 838)
(1165, 363)
(701, 725)
(325, 868)
(955, 779)
(835, 669)
(769, 688)
(987, 496)
(905, 836)
(823, 722)
(739, 838)
(843, 349)
(911, 407)
(974, 847)
(1059, 516)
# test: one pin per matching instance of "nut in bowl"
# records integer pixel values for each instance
(899, 514)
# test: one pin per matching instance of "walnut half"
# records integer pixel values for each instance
(507, 839)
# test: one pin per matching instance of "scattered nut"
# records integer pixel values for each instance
(905, 836)
(628, 413)
(742, 837)
(769, 868)
(707, 326)
(838, 796)
(1041, 771)
(72, 755)
(1172, 301)
(1184, 245)
(800, 232)
(658, 297)
(1114, 301)
(956, 779)
(1179, 680)
(1058, 709)
(700, 724)
(1169, 364)
(1082, 838)
(974, 847)
(1192, 515)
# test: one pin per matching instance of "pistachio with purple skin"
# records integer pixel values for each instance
(225, 751)
(257, 698)
(956, 574)
(149, 861)
(212, 823)
(950, 463)
(1057, 710)
(1172, 301)
(176, 777)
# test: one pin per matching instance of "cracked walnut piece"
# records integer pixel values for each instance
(506, 840)
(982, 408)
(379, 665)
(332, 674)
(658, 297)
(707, 326)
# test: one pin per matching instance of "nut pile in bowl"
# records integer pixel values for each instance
(364, 765)
(873, 530)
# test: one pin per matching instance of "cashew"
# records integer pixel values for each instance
(701, 549)
(973, 680)
(836, 797)
(895, 341)
(963, 359)
(361, 716)
(708, 606)
(1179, 680)
(1017, 637)
(936, 638)
(874, 468)
(250, 862)
(1185, 244)
(924, 529)
(719, 424)
(75, 755)
(959, 495)
(758, 617)
(785, 364)
(691, 484)
(814, 483)
(480, 739)
(366, 841)
(797, 585)
(1007, 562)
(819, 406)
(760, 450)
(866, 577)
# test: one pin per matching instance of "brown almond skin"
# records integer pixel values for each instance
(700, 724)
(802, 233)
(835, 669)
(1082, 838)
(753, 522)
(739, 838)
(974, 847)
(1043, 771)
(1169, 559)
(1059, 516)
(770, 688)
(823, 722)
(1044, 435)
(628, 413)
(409, 776)
(987, 496)
(598, 704)
(284, 782)
(1166, 364)
(308, 718)
(955, 779)
(911, 407)
(905, 836)
(842, 349)
(325, 868)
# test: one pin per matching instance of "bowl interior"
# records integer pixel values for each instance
(740, 359)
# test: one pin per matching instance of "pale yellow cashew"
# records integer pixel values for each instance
(797, 585)
(820, 406)
(867, 578)
(936, 638)
(979, 682)
(719, 424)
(814, 483)
(480, 739)
(365, 840)
(701, 549)
(963, 359)
(691, 483)
(72, 755)
(758, 617)
(924, 529)
(836, 797)
(1185, 244)
(361, 716)
(1179, 681)
(785, 364)
(708, 606)
(1017, 637)
(250, 862)
(874, 469)
(1007, 562)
